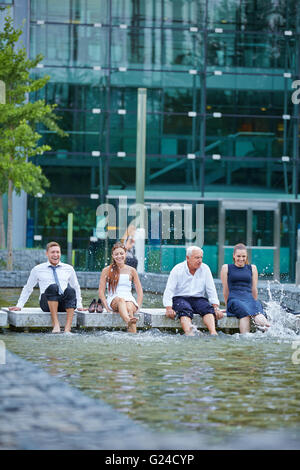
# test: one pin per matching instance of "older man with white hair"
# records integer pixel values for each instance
(191, 290)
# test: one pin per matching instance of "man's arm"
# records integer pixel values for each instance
(211, 288)
(75, 284)
(27, 289)
(212, 293)
(169, 294)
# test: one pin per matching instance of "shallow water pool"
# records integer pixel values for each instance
(221, 386)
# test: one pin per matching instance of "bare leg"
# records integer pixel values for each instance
(245, 325)
(131, 309)
(53, 306)
(209, 321)
(70, 313)
(186, 324)
(119, 305)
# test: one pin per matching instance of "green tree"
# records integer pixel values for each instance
(19, 117)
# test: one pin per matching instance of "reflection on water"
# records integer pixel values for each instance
(220, 386)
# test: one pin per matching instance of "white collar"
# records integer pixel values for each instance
(52, 265)
(188, 271)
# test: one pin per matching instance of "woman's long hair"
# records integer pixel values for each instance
(114, 271)
(240, 246)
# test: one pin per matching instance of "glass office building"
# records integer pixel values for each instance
(222, 121)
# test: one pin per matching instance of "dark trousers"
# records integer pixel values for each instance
(65, 300)
(188, 306)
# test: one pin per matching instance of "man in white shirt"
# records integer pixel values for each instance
(59, 288)
(191, 289)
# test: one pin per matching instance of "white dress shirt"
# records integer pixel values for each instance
(43, 275)
(182, 282)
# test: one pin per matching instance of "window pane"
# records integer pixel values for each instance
(255, 50)
(252, 16)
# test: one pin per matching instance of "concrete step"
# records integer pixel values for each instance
(147, 318)
(156, 318)
(35, 318)
(104, 320)
(3, 319)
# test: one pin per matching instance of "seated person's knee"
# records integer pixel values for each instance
(70, 291)
(51, 290)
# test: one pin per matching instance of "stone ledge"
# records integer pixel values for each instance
(104, 320)
(156, 318)
(35, 317)
(3, 319)
(148, 318)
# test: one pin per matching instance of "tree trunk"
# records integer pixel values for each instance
(9, 265)
(2, 230)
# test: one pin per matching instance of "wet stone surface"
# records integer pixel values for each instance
(37, 411)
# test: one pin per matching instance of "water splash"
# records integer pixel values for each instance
(195, 330)
(283, 323)
(275, 291)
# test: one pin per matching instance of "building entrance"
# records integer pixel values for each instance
(257, 225)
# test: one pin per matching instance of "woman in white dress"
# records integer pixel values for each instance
(118, 277)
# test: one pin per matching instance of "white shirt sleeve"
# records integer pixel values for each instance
(170, 288)
(28, 288)
(211, 288)
(75, 284)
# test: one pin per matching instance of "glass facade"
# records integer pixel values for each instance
(220, 116)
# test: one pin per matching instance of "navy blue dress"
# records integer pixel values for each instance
(240, 300)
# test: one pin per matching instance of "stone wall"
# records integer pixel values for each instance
(26, 258)
(288, 294)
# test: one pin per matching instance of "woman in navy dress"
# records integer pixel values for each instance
(240, 290)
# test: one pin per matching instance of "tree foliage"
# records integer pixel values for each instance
(19, 117)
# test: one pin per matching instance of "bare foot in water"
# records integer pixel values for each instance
(56, 329)
(261, 322)
(131, 325)
(190, 332)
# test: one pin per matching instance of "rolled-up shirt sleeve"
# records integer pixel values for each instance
(28, 288)
(211, 288)
(75, 284)
(170, 289)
